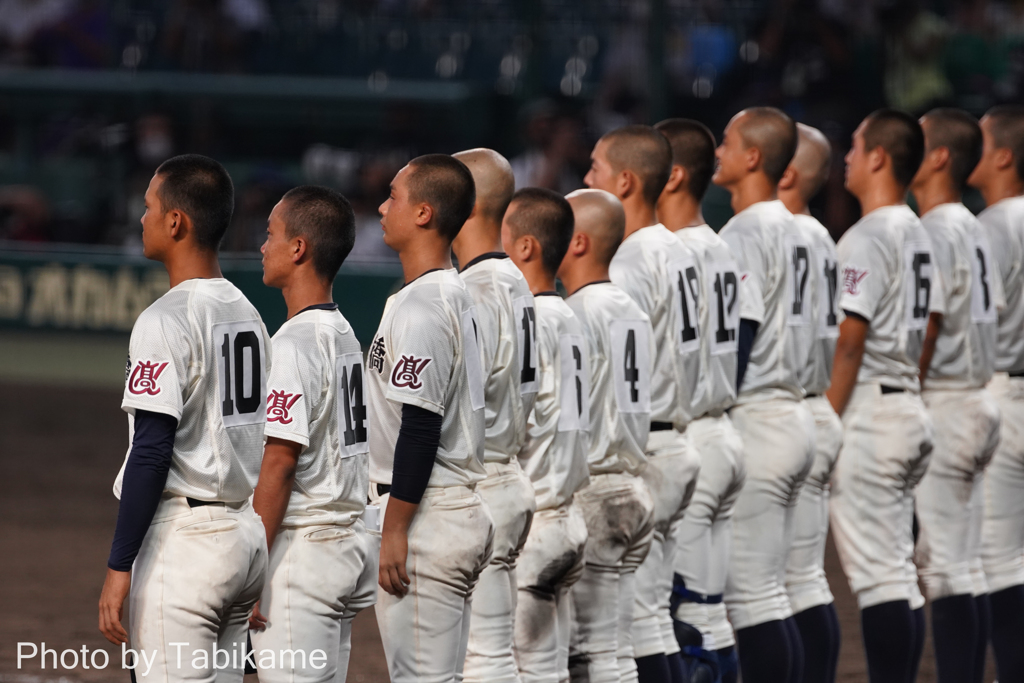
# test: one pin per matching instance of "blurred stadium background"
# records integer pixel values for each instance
(94, 94)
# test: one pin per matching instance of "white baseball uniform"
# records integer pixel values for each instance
(774, 259)
(660, 275)
(201, 354)
(508, 342)
(705, 532)
(317, 400)
(1002, 545)
(555, 458)
(887, 275)
(806, 582)
(426, 354)
(616, 504)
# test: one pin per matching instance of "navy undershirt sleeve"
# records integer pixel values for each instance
(145, 475)
(748, 330)
(415, 450)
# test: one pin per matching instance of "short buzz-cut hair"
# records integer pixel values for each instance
(957, 131)
(443, 182)
(773, 132)
(325, 218)
(1007, 126)
(547, 216)
(901, 137)
(646, 153)
(201, 188)
(693, 148)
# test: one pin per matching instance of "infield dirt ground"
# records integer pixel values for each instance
(60, 448)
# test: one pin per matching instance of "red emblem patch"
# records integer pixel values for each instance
(278, 405)
(852, 278)
(144, 377)
(407, 371)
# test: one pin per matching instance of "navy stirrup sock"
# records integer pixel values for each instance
(766, 654)
(653, 669)
(1007, 608)
(819, 631)
(981, 605)
(954, 632)
(728, 664)
(889, 633)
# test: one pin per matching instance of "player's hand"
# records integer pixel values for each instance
(394, 550)
(257, 622)
(115, 590)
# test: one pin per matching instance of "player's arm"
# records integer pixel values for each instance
(853, 333)
(931, 336)
(274, 488)
(415, 450)
(145, 475)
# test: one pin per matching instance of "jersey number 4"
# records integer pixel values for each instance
(351, 406)
(631, 365)
(241, 373)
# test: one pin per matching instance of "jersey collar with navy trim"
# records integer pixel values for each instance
(483, 257)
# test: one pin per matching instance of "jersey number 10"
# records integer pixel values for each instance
(241, 373)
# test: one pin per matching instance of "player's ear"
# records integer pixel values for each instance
(627, 184)
(939, 157)
(177, 224)
(1003, 158)
(753, 159)
(789, 178)
(876, 159)
(300, 249)
(580, 244)
(424, 213)
(676, 179)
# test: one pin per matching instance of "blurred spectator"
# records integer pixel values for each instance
(154, 140)
(555, 150)
(206, 35)
(82, 39)
(914, 41)
(254, 201)
(375, 176)
(21, 22)
(24, 214)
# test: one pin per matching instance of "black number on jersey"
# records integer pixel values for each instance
(800, 272)
(632, 372)
(578, 357)
(529, 369)
(725, 287)
(354, 408)
(983, 275)
(832, 281)
(921, 284)
(236, 396)
(689, 285)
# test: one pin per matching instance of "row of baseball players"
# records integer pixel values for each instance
(504, 426)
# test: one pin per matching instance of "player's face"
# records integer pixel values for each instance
(731, 155)
(856, 162)
(983, 171)
(601, 175)
(153, 221)
(276, 250)
(397, 213)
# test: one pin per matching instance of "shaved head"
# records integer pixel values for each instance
(693, 148)
(900, 136)
(600, 216)
(494, 181)
(645, 152)
(772, 132)
(958, 132)
(546, 216)
(1006, 122)
(812, 160)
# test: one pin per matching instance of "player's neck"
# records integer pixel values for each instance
(583, 273)
(880, 194)
(794, 202)
(537, 278)
(680, 210)
(425, 255)
(935, 191)
(752, 189)
(304, 290)
(191, 264)
(1003, 186)
(477, 237)
(639, 214)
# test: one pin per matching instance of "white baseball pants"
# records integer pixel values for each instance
(806, 583)
(887, 443)
(1002, 545)
(425, 632)
(778, 442)
(551, 562)
(195, 580)
(704, 536)
(966, 428)
(673, 465)
(619, 515)
(509, 496)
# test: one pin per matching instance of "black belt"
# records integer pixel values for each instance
(892, 390)
(383, 489)
(812, 396)
(1019, 373)
(195, 503)
(661, 426)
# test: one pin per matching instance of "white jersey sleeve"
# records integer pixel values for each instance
(1003, 225)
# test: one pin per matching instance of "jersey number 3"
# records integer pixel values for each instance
(241, 373)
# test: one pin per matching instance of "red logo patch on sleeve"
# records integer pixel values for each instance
(144, 377)
(278, 406)
(407, 371)
(852, 278)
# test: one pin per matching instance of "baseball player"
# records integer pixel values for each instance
(313, 480)
(426, 400)
(535, 234)
(658, 272)
(188, 545)
(1000, 177)
(705, 533)
(773, 257)
(964, 413)
(616, 504)
(507, 319)
(889, 288)
(806, 583)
